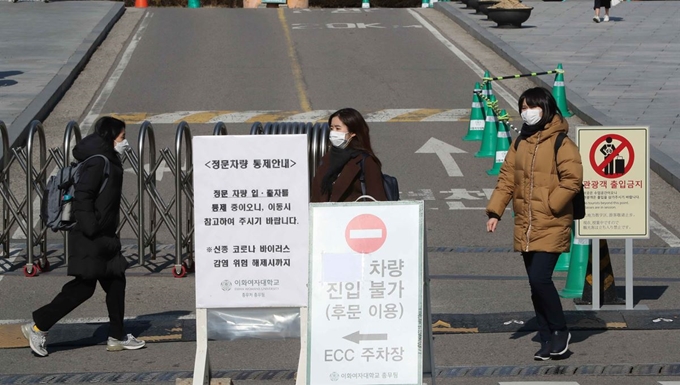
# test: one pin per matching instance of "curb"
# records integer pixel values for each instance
(665, 166)
(41, 106)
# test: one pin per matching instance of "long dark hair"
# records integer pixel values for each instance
(109, 128)
(357, 125)
(540, 97)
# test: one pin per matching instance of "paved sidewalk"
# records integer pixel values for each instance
(43, 48)
(624, 72)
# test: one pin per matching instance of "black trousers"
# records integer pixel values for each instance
(547, 305)
(79, 290)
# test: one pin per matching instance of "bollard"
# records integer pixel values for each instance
(194, 4)
(141, 4)
(365, 4)
(503, 141)
(476, 125)
(426, 4)
(559, 92)
(488, 147)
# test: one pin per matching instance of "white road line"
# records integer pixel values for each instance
(663, 233)
(103, 97)
(450, 115)
(498, 89)
(386, 115)
(170, 117)
(311, 116)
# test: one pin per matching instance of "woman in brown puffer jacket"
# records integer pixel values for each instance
(541, 185)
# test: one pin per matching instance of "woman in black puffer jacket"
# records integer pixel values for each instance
(95, 250)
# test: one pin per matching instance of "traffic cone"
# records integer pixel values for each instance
(488, 147)
(559, 92)
(578, 265)
(194, 4)
(141, 4)
(563, 260)
(503, 140)
(488, 90)
(426, 3)
(365, 4)
(476, 126)
(608, 294)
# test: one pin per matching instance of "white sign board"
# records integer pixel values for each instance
(251, 199)
(366, 291)
(615, 182)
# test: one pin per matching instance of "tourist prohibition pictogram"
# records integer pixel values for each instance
(612, 156)
(365, 233)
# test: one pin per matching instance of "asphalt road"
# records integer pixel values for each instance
(270, 63)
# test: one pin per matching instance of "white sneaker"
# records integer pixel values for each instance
(596, 19)
(35, 339)
(606, 18)
(131, 343)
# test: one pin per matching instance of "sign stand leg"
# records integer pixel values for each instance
(595, 248)
(301, 376)
(428, 348)
(202, 364)
(629, 274)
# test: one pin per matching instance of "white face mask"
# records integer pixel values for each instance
(121, 146)
(532, 116)
(338, 139)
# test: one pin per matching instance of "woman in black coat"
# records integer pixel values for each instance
(95, 252)
(338, 177)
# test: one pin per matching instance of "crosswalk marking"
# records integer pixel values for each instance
(207, 117)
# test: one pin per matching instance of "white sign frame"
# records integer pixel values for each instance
(342, 215)
(595, 238)
(251, 220)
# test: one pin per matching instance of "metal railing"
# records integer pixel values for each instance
(146, 212)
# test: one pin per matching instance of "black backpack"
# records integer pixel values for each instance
(390, 183)
(579, 200)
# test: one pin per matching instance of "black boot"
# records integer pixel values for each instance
(543, 354)
(559, 342)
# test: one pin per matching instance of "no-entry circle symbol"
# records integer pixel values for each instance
(607, 156)
(365, 233)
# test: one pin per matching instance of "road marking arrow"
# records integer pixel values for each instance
(443, 151)
(357, 337)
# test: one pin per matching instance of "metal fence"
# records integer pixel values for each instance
(146, 212)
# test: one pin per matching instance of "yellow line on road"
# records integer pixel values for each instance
(295, 64)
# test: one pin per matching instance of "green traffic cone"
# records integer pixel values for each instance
(365, 4)
(503, 140)
(563, 260)
(488, 147)
(559, 92)
(578, 265)
(476, 126)
(488, 90)
(194, 4)
(426, 4)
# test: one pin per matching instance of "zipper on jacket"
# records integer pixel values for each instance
(531, 188)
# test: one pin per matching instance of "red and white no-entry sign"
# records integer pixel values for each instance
(612, 156)
(365, 233)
